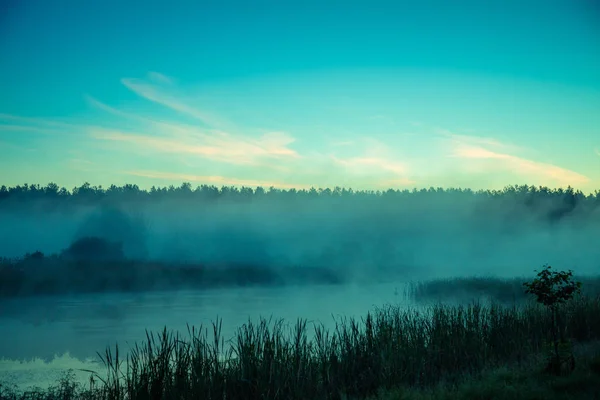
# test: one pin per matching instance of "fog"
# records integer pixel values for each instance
(416, 235)
(364, 246)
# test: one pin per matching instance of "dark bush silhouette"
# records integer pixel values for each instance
(112, 223)
(553, 288)
(93, 249)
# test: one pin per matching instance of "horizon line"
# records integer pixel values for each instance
(301, 188)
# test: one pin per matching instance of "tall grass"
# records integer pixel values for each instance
(390, 347)
(506, 291)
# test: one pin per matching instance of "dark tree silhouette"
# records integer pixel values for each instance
(512, 202)
(93, 249)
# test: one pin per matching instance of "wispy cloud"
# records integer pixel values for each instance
(220, 146)
(157, 94)
(376, 160)
(213, 179)
(208, 141)
(520, 165)
(202, 138)
(41, 125)
(366, 165)
(206, 138)
(597, 151)
(475, 140)
(161, 78)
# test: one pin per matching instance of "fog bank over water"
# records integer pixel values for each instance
(419, 234)
(374, 242)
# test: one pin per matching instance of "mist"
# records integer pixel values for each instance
(90, 268)
(357, 236)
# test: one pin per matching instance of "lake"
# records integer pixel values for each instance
(44, 336)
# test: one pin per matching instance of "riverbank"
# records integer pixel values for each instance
(392, 347)
(518, 382)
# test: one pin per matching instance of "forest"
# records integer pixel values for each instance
(558, 201)
(126, 238)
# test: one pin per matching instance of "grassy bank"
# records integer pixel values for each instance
(518, 382)
(505, 291)
(390, 348)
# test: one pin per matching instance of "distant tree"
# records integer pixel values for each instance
(509, 204)
(35, 256)
(553, 288)
(93, 249)
(51, 189)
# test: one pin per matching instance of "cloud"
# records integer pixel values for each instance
(66, 132)
(377, 160)
(154, 93)
(475, 140)
(161, 78)
(37, 125)
(520, 165)
(369, 164)
(213, 179)
(219, 146)
(105, 107)
(162, 127)
(498, 156)
(207, 141)
(204, 137)
(597, 151)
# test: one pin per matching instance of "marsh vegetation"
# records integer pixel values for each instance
(390, 349)
(464, 256)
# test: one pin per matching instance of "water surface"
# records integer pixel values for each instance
(43, 336)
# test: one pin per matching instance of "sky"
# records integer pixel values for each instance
(367, 95)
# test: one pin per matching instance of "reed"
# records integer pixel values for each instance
(390, 347)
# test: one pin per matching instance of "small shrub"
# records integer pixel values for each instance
(551, 289)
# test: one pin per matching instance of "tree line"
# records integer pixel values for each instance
(52, 191)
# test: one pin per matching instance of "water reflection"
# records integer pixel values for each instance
(42, 328)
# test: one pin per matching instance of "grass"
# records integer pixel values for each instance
(392, 350)
(506, 291)
(525, 382)
(515, 382)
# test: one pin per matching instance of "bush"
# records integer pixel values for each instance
(93, 249)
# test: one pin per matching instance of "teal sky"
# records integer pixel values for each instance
(403, 94)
